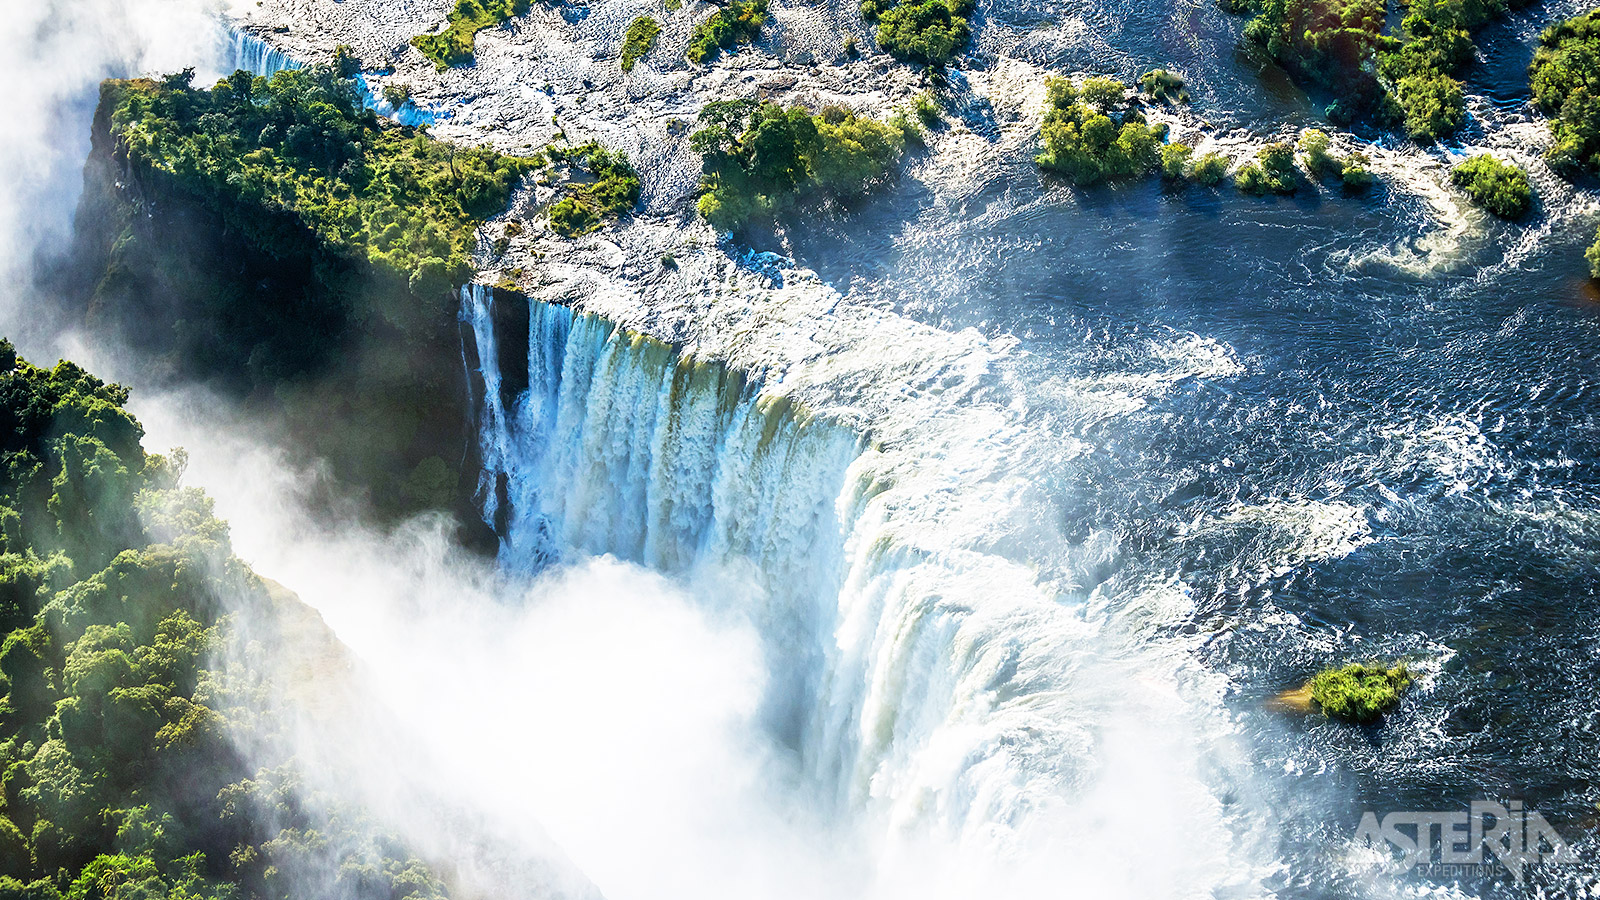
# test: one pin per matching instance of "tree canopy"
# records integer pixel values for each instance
(119, 776)
(760, 158)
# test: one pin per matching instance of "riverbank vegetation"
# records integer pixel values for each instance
(1396, 78)
(305, 254)
(1092, 134)
(1498, 187)
(737, 23)
(455, 45)
(1565, 80)
(761, 160)
(638, 39)
(118, 712)
(930, 32)
(1359, 692)
(1272, 172)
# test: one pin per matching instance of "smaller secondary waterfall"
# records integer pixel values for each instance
(252, 54)
(930, 691)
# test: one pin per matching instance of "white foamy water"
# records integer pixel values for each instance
(973, 722)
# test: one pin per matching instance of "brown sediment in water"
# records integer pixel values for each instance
(1296, 700)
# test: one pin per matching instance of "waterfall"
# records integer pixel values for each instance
(921, 685)
(248, 52)
(252, 54)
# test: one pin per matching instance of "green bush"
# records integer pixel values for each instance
(927, 110)
(1355, 174)
(1593, 256)
(1565, 79)
(396, 95)
(931, 32)
(571, 217)
(1352, 170)
(1358, 692)
(1164, 86)
(737, 23)
(1498, 187)
(1175, 161)
(761, 159)
(1209, 170)
(1082, 142)
(637, 41)
(1273, 172)
(1313, 148)
(455, 45)
(1433, 104)
(611, 189)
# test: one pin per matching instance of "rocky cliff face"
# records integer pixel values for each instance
(280, 328)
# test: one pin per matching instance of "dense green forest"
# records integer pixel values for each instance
(118, 593)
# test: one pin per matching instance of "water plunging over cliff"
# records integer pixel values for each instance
(938, 693)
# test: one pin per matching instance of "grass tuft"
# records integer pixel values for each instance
(1359, 692)
(637, 40)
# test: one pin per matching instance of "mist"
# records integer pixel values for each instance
(55, 55)
(597, 727)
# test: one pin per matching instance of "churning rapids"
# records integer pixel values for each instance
(959, 551)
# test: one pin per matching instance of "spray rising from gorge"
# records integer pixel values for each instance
(796, 595)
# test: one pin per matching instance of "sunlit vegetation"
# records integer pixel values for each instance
(455, 45)
(762, 160)
(1092, 134)
(638, 39)
(1352, 170)
(396, 95)
(1500, 188)
(927, 110)
(737, 23)
(305, 254)
(120, 773)
(1356, 172)
(1358, 692)
(610, 189)
(1178, 163)
(930, 32)
(1209, 169)
(1164, 86)
(301, 144)
(1565, 78)
(1272, 172)
(1176, 160)
(1400, 79)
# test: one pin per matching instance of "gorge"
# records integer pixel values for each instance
(955, 540)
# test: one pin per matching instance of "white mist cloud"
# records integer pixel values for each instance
(53, 55)
(601, 713)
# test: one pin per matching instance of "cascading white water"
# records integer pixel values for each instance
(252, 54)
(930, 692)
